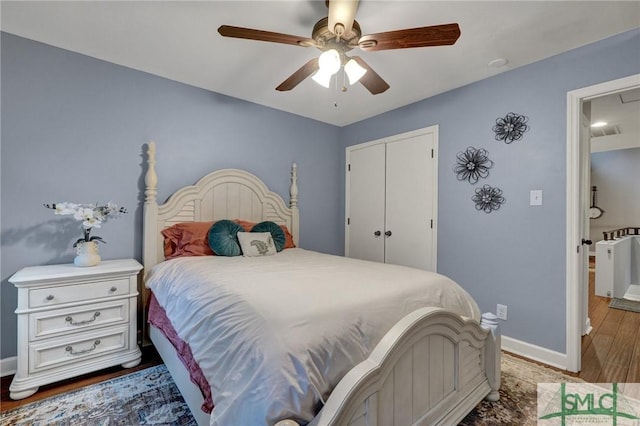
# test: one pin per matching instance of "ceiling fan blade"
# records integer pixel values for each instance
(296, 78)
(371, 80)
(437, 35)
(342, 12)
(251, 34)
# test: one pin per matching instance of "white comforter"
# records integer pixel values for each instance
(274, 335)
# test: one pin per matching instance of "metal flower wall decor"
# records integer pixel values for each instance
(511, 127)
(472, 164)
(488, 198)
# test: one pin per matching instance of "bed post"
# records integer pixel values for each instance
(150, 227)
(492, 355)
(293, 203)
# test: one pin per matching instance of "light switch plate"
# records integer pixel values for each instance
(535, 197)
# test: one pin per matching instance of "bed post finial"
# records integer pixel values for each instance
(293, 192)
(150, 178)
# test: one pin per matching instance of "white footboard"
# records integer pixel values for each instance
(431, 368)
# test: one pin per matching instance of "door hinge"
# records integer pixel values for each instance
(431, 223)
(431, 152)
(349, 167)
(348, 221)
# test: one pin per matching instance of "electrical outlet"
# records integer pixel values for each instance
(501, 312)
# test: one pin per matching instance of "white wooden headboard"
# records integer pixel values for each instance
(223, 194)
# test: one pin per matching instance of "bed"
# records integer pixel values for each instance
(346, 360)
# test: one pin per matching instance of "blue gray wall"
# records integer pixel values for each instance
(73, 129)
(516, 255)
(616, 174)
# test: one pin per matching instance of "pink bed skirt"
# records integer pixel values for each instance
(158, 318)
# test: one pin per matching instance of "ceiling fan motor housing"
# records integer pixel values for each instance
(323, 36)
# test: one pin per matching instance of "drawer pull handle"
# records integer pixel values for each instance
(113, 289)
(50, 297)
(84, 351)
(69, 319)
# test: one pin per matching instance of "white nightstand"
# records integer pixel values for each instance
(74, 320)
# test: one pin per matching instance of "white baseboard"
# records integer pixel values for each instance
(8, 366)
(536, 353)
(587, 327)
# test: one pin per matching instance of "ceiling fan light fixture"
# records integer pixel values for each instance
(354, 71)
(329, 62)
(323, 78)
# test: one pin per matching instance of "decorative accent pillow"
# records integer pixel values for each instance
(187, 239)
(223, 238)
(274, 229)
(255, 244)
(287, 235)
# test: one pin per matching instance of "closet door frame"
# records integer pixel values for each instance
(433, 130)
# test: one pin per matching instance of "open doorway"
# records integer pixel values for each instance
(578, 203)
(612, 347)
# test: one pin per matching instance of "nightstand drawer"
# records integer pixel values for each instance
(53, 353)
(77, 292)
(78, 318)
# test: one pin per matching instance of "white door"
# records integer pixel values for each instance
(409, 202)
(391, 199)
(585, 198)
(365, 197)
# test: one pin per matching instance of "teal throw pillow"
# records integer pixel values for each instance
(223, 238)
(276, 232)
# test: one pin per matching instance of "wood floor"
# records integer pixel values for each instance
(611, 352)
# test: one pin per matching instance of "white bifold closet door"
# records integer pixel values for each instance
(391, 196)
(367, 203)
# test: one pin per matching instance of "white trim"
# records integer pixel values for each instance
(8, 366)
(574, 321)
(587, 327)
(534, 352)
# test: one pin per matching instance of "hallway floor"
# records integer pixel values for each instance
(611, 352)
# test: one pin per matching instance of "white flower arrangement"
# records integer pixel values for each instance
(91, 215)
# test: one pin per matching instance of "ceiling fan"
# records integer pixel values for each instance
(340, 33)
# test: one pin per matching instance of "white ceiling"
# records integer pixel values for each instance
(621, 112)
(179, 40)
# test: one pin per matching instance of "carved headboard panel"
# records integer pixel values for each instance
(223, 194)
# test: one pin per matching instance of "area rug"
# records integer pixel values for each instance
(150, 397)
(146, 397)
(518, 394)
(625, 305)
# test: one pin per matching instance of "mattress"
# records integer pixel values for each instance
(273, 335)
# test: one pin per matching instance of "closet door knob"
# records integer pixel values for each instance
(388, 233)
(377, 233)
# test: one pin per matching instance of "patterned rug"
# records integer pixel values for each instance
(518, 394)
(150, 397)
(146, 397)
(625, 305)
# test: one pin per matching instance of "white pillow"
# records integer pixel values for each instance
(255, 244)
